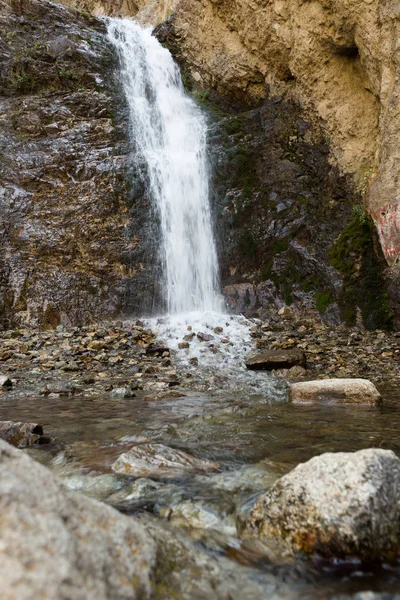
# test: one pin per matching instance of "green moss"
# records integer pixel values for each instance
(354, 256)
(68, 75)
(323, 300)
(280, 246)
(233, 126)
(247, 244)
(23, 81)
(201, 95)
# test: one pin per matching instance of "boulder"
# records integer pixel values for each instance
(57, 544)
(59, 388)
(342, 391)
(241, 298)
(337, 505)
(276, 359)
(22, 434)
(152, 460)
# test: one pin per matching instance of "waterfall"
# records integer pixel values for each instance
(170, 133)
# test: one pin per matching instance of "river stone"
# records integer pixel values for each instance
(343, 391)
(336, 504)
(5, 382)
(58, 544)
(276, 359)
(152, 460)
(121, 393)
(22, 434)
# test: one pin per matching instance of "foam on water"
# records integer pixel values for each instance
(221, 359)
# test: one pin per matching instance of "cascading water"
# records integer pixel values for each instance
(170, 132)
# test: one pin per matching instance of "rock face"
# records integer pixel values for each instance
(285, 220)
(338, 58)
(332, 391)
(149, 460)
(276, 359)
(336, 504)
(66, 240)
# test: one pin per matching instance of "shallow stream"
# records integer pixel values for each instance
(255, 438)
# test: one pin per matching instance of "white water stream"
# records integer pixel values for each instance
(170, 132)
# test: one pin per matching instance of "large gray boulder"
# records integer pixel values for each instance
(336, 504)
(332, 391)
(58, 544)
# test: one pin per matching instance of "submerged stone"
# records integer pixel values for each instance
(152, 460)
(337, 504)
(330, 391)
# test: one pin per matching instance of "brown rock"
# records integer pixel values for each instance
(22, 434)
(332, 391)
(276, 359)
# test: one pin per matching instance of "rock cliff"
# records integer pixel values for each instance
(338, 59)
(67, 243)
(302, 104)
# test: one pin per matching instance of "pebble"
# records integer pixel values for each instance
(62, 362)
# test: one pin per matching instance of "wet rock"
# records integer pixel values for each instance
(157, 349)
(22, 434)
(240, 297)
(183, 345)
(60, 389)
(5, 382)
(188, 337)
(57, 544)
(276, 359)
(100, 486)
(336, 504)
(153, 460)
(61, 130)
(159, 496)
(204, 337)
(194, 361)
(121, 393)
(198, 515)
(331, 391)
